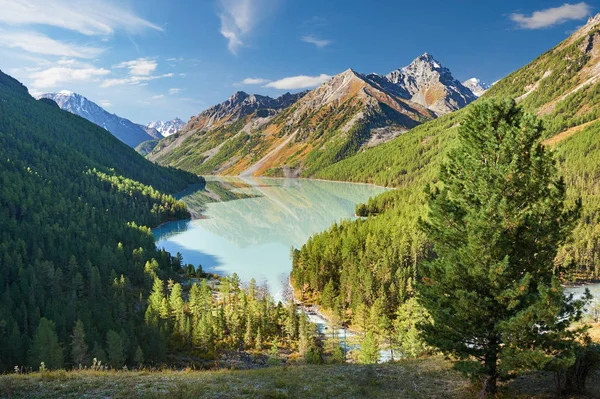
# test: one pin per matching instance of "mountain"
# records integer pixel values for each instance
(76, 207)
(562, 87)
(299, 134)
(426, 82)
(167, 128)
(128, 132)
(476, 86)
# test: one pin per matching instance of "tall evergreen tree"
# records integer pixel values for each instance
(496, 220)
(79, 348)
(45, 347)
(116, 352)
(369, 349)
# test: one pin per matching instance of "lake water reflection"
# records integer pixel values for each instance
(252, 236)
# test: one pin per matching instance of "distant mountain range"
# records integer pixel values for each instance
(125, 130)
(476, 86)
(167, 128)
(298, 134)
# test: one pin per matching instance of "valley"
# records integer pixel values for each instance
(411, 233)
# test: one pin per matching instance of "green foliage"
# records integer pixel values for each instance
(409, 315)
(496, 220)
(75, 203)
(314, 355)
(114, 345)
(45, 348)
(79, 348)
(573, 378)
(369, 349)
(230, 318)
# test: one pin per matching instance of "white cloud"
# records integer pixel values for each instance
(54, 76)
(316, 41)
(239, 17)
(174, 90)
(298, 82)
(89, 17)
(157, 97)
(552, 16)
(139, 67)
(254, 81)
(36, 43)
(104, 103)
(133, 80)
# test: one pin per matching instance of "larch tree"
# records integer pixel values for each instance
(496, 218)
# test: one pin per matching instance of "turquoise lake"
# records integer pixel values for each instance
(255, 223)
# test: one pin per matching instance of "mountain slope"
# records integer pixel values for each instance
(562, 86)
(74, 201)
(293, 134)
(300, 134)
(128, 132)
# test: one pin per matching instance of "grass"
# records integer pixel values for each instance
(422, 378)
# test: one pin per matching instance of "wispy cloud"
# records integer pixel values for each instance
(157, 97)
(54, 76)
(239, 18)
(298, 82)
(255, 81)
(174, 90)
(139, 67)
(552, 16)
(37, 43)
(133, 80)
(104, 103)
(98, 17)
(320, 43)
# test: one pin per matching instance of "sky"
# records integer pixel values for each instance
(152, 60)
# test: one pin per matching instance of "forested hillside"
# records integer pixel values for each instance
(76, 205)
(372, 262)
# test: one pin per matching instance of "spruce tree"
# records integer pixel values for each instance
(116, 352)
(496, 219)
(79, 348)
(45, 347)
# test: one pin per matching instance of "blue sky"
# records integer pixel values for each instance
(157, 59)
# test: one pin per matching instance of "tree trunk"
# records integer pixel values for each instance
(490, 380)
(489, 387)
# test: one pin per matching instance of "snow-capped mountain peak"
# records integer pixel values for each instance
(476, 86)
(427, 82)
(167, 128)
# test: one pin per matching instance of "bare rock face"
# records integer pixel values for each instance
(430, 84)
(238, 105)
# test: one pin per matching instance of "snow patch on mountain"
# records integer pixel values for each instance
(167, 128)
(476, 86)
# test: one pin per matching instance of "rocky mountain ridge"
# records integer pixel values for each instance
(128, 132)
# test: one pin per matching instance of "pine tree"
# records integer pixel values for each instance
(496, 220)
(45, 347)
(79, 348)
